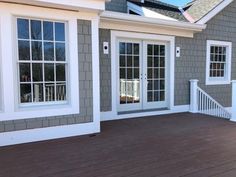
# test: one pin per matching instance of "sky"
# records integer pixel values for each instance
(176, 2)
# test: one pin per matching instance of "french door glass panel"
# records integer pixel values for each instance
(142, 75)
(155, 73)
(129, 78)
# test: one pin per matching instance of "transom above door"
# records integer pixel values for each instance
(142, 75)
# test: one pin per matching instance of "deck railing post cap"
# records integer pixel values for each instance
(194, 80)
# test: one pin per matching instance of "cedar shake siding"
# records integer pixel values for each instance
(117, 6)
(192, 63)
(105, 72)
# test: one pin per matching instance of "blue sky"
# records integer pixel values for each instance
(176, 2)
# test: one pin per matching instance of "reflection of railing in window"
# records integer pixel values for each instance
(130, 88)
(50, 92)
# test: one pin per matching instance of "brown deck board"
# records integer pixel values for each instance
(178, 145)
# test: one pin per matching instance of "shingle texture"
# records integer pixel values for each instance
(200, 8)
(117, 6)
(192, 63)
(162, 8)
(85, 90)
(105, 72)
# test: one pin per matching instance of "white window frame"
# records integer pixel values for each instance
(219, 80)
(11, 107)
(44, 103)
(1, 67)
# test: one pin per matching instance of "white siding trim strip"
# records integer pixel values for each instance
(42, 134)
(106, 116)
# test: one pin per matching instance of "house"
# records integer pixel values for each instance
(68, 65)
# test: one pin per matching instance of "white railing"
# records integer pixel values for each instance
(207, 105)
(203, 103)
(60, 92)
(129, 88)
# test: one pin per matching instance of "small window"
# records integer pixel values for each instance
(218, 62)
(42, 61)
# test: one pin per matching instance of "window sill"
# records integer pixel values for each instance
(33, 112)
(218, 82)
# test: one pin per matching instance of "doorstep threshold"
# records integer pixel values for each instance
(142, 111)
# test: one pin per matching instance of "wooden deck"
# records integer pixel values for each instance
(186, 145)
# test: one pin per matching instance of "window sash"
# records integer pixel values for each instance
(46, 84)
(216, 52)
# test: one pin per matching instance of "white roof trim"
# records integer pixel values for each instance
(147, 12)
(119, 17)
(75, 5)
(214, 12)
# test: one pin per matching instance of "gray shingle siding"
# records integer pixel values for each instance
(117, 6)
(192, 64)
(85, 90)
(105, 72)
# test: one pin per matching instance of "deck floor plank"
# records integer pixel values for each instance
(178, 145)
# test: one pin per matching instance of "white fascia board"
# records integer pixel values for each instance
(122, 17)
(146, 12)
(81, 5)
(214, 12)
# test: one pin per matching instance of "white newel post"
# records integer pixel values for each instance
(193, 96)
(233, 118)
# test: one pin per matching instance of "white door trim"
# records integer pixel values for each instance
(120, 34)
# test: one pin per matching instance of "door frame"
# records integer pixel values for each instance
(170, 40)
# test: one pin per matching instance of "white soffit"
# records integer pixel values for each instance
(127, 22)
(76, 5)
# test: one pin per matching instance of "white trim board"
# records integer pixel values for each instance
(82, 5)
(214, 12)
(107, 116)
(42, 134)
(141, 24)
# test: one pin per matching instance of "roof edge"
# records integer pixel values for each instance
(152, 21)
(214, 12)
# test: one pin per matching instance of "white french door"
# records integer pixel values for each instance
(141, 75)
(155, 75)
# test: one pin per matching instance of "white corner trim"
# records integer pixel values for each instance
(42, 134)
(214, 12)
(219, 81)
(96, 71)
(106, 116)
(146, 12)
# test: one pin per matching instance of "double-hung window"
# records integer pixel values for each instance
(218, 65)
(42, 61)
